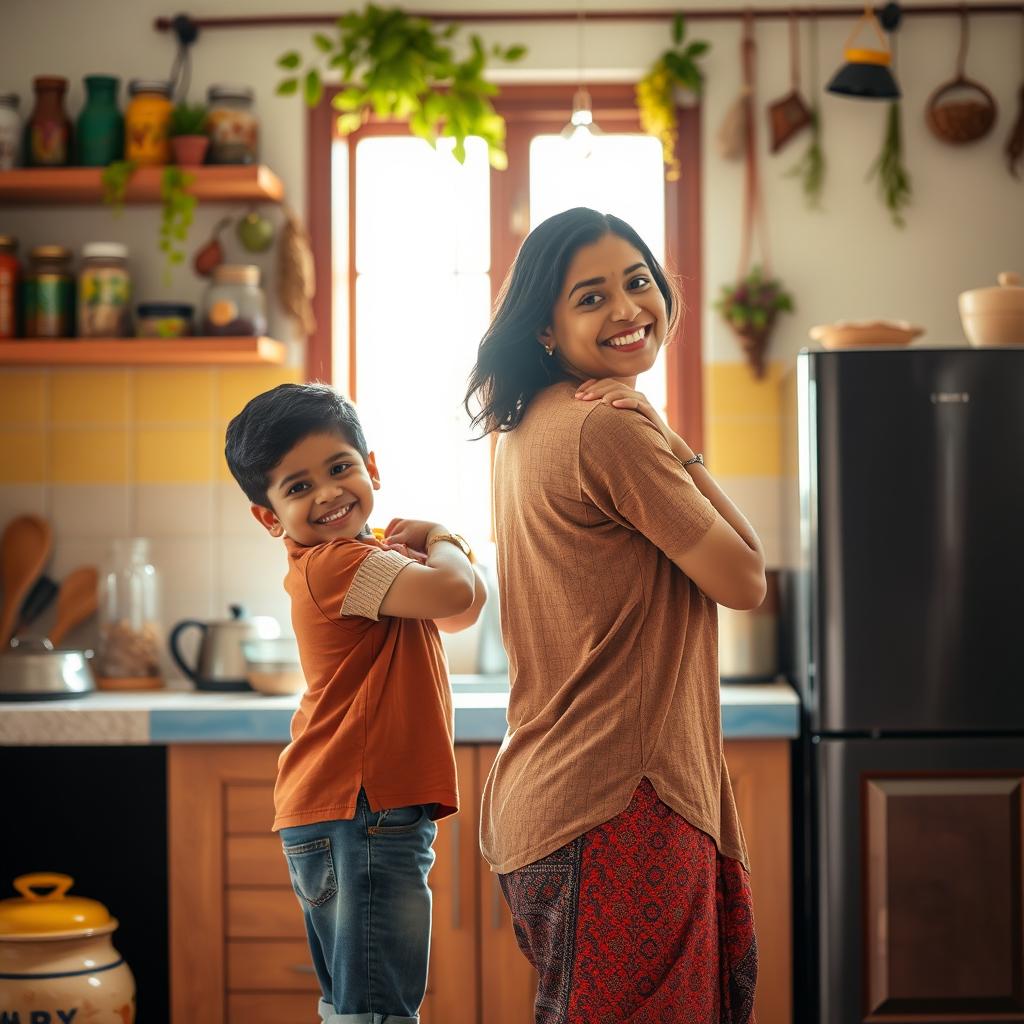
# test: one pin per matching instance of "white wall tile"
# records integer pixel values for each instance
(91, 510)
(759, 498)
(232, 516)
(174, 510)
(22, 500)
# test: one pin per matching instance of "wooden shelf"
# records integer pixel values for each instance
(48, 185)
(143, 352)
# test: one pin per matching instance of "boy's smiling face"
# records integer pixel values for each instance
(321, 490)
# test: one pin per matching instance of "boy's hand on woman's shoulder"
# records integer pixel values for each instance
(404, 549)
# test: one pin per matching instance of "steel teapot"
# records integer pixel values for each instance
(221, 663)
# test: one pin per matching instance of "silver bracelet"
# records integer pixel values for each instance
(698, 458)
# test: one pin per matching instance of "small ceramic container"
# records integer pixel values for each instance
(865, 333)
(272, 666)
(994, 316)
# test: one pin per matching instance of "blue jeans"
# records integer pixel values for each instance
(362, 886)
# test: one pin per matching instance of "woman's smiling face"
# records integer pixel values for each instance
(610, 318)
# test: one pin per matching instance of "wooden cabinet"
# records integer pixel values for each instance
(238, 947)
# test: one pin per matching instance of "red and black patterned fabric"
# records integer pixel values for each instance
(638, 921)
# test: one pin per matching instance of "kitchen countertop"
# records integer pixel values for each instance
(749, 711)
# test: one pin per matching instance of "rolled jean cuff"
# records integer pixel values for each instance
(328, 1016)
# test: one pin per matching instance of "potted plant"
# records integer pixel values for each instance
(750, 307)
(187, 131)
(398, 65)
(674, 74)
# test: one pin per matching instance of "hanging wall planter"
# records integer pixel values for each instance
(397, 65)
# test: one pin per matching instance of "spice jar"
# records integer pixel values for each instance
(234, 304)
(57, 961)
(10, 272)
(129, 642)
(48, 136)
(104, 291)
(10, 131)
(146, 121)
(163, 320)
(233, 127)
(99, 133)
(49, 293)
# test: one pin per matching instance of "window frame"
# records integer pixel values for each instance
(528, 110)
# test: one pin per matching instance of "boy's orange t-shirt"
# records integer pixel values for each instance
(377, 710)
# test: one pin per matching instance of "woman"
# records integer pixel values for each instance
(608, 813)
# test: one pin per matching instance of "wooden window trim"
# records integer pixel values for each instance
(526, 109)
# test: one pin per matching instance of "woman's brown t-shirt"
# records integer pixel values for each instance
(613, 651)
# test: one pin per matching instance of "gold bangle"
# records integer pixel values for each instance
(453, 538)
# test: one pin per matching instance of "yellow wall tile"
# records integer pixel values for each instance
(22, 456)
(173, 456)
(22, 397)
(89, 456)
(174, 396)
(744, 446)
(732, 390)
(236, 387)
(223, 473)
(87, 396)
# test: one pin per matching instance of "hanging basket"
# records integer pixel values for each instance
(754, 342)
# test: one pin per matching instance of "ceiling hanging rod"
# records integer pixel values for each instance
(710, 14)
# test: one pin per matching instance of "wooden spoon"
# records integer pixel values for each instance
(77, 600)
(23, 553)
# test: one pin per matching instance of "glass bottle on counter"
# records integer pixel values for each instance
(10, 131)
(233, 126)
(49, 293)
(99, 133)
(234, 304)
(48, 132)
(130, 638)
(146, 121)
(104, 291)
(10, 272)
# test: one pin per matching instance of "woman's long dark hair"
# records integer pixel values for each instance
(511, 366)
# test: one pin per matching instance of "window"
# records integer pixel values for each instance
(415, 249)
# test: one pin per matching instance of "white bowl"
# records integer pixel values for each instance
(865, 333)
(273, 667)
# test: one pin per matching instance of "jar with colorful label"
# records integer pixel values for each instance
(234, 304)
(146, 122)
(49, 293)
(48, 134)
(104, 291)
(163, 320)
(233, 126)
(10, 272)
(10, 131)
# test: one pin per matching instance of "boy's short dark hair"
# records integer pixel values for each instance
(271, 424)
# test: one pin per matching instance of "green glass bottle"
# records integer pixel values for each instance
(100, 134)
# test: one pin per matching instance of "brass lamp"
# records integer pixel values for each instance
(866, 75)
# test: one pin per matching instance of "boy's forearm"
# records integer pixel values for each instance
(457, 623)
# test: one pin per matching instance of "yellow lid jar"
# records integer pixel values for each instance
(57, 961)
(146, 121)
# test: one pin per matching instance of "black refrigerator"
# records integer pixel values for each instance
(909, 615)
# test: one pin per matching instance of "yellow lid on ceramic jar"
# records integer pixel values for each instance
(35, 913)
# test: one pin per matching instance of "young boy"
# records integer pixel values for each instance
(371, 766)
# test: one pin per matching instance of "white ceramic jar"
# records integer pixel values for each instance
(994, 316)
(57, 961)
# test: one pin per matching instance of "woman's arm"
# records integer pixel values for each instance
(727, 563)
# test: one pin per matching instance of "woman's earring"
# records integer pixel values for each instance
(550, 349)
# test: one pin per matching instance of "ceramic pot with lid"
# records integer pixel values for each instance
(221, 665)
(994, 316)
(57, 960)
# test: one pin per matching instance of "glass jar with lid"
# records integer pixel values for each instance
(130, 636)
(104, 291)
(10, 131)
(233, 126)
(146, 121)
(234, 304)
(49, 293)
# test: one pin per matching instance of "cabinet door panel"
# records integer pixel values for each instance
(265, 1008)
(262, 966)
(508, 982)
(256, 860)
(249, 808)
(263, 914)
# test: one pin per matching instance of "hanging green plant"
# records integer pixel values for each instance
(893, 179)
(749, 306)
(175, 213)
(810, 169)
(656, 92)
(114, 180)
(397, 65)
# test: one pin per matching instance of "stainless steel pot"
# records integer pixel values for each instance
(34, 671)
(221, 663)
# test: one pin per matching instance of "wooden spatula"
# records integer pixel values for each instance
(23, 553)
(76, 601)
